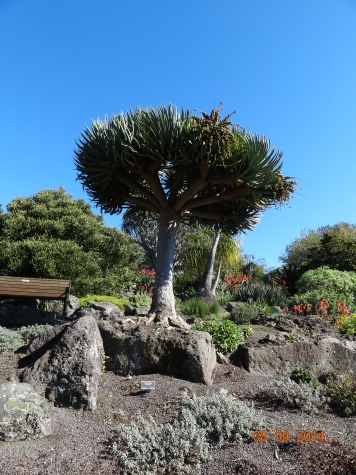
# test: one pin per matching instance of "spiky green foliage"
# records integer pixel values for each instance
(260, 292)
(162, 158)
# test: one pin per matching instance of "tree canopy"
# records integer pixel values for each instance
(184, 168)
(51, 235)
(332, 246)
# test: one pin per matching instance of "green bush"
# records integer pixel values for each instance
(342, 394)
(184, 286)
(327, 377)
(225, 334)
(141, 300)
(100, 298)
(325, 279)
(10, 340)
(260, 292)
(314, 297)
(31, 331)
(214, 309)
(225, 297)
(195, 308)
(300, 375)
(347, 324)
(291, 394)
(243, 314)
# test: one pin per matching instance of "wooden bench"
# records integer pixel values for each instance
(48, 289)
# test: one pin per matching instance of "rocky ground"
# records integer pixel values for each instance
(80, 443)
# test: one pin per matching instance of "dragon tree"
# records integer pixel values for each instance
(184, 168)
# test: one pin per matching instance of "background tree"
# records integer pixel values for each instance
(193, 253)
(50, 235)
(184, 168)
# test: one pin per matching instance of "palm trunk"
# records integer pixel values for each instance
(163, 306)
(205, 285)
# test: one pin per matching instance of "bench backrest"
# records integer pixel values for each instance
(49, 289)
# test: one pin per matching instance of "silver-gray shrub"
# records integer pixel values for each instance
(292, 394)
(31, 331)
(223, 417)
(180, 446)
(10, 340)
(175, 448)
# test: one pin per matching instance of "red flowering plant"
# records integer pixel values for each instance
(233, 281)
(147, 280)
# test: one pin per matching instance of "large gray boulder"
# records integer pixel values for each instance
(64, 364)
(287, 343)
(149, 349)
(23, 413)
(58, 306)
(19, 315)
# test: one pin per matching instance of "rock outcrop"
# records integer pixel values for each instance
(287, 342)
(64, 364)
(23, 413)
(141, 349)
(19, 315)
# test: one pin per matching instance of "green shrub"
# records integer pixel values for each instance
(300, 375)
(100, 298)
(224, 297)
(184, 287)
(141, 300)
(195, 308)
(222, 417)
(214, 309)
(31, 331)
(243, 314)
(327, 377)
(342, 394)
(314, 297)
(260, 292)
(347, 324)
(291, 394)
(175, 448)
(225, 334)
(10, 340)
(323, 278)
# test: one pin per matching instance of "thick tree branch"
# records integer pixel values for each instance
(177, 182)
(152, 179)
(136, 186)
(189, 193)
(137, 200)
(210, 214)
(209, 199)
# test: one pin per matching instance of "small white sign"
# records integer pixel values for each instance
(147, 385)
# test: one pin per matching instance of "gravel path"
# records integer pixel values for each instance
(79, 444)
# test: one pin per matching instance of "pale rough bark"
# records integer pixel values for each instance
(205, 285)
(163, 305)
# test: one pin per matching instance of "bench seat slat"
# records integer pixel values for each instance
(51, 289)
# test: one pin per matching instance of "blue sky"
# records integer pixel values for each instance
(287, 67)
